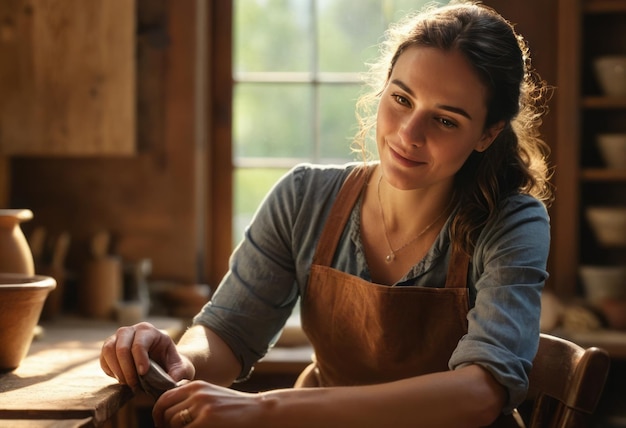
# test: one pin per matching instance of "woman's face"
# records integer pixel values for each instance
(431, 117)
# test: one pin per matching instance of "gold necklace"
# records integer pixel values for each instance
(392, 255)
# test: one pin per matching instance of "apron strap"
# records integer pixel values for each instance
(457, 268)
(339, 215)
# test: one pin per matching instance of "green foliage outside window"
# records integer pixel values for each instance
(296, 66)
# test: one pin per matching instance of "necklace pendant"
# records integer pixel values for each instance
(390, 257)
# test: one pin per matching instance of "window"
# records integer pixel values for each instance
(296, 76)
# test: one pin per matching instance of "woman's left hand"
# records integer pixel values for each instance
(200, 404)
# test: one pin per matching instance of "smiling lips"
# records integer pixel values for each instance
(402, 160)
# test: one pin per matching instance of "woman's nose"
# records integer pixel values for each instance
(412, 130)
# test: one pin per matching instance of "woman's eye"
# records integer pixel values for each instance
(401, 100)
(447, 123)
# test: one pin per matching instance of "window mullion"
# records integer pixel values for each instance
(315, 108)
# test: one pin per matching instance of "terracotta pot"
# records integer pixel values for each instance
(21, 300)
(101, 287)
(15, 253)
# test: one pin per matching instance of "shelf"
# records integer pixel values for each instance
(588, 29)
(603, 174)
(604, 102)
(604, 6)
(613, 341)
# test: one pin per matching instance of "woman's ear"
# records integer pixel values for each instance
(489, 136)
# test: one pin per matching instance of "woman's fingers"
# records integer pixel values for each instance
(125, 354)
(116, 359)
(198, 403)
(148, 339)
(166, 411)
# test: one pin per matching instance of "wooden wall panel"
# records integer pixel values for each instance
(68, 80)
(146, 201)
(4, 181)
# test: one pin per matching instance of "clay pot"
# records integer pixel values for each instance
(101, 287)
(15, 254)
(21, 300)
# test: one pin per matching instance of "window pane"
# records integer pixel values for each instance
(337, 121)
(396, 9)
(348, 33)
(250, 187)
(272, 35)
(272, 120)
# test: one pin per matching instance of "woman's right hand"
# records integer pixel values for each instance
(126, 354)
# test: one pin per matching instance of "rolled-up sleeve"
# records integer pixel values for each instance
(256, 296)
(509, 268)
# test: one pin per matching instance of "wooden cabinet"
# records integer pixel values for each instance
(587, 29)
(604, 33)
(67, 77)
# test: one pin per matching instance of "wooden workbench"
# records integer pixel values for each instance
(60, 382)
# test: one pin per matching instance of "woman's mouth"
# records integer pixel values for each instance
(403, 160)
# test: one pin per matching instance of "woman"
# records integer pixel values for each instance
(419, 275)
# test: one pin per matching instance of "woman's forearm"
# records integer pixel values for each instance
(211, 356)
(467, 397)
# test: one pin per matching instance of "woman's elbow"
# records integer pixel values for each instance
(490, 398)
(488, 412)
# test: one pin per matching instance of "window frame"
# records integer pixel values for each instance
(219, 165)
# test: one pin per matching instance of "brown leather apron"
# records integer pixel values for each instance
(366, 333)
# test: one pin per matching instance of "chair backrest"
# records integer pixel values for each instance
(566, 383)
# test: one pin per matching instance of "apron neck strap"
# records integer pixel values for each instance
(458, 268)
(339, 215)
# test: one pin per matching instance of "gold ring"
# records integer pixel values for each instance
(185, 416)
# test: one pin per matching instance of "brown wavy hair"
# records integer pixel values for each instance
(516, 161)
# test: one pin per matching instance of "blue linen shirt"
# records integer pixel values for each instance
(269, 270)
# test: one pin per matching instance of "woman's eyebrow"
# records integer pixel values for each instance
(403, 86)
(457, 110)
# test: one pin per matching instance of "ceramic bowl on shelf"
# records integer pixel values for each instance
(612, 148)
(610, 71)
(603, 282)
(22, 297)
(608, 225)
(614, 312)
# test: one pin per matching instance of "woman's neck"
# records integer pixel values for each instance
(407, 212)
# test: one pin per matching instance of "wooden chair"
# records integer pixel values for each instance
(566, 383)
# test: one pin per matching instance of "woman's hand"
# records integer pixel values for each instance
(202, 404)
(125, 355)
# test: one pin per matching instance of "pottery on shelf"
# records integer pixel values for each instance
(15, 253)
(102, 280)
